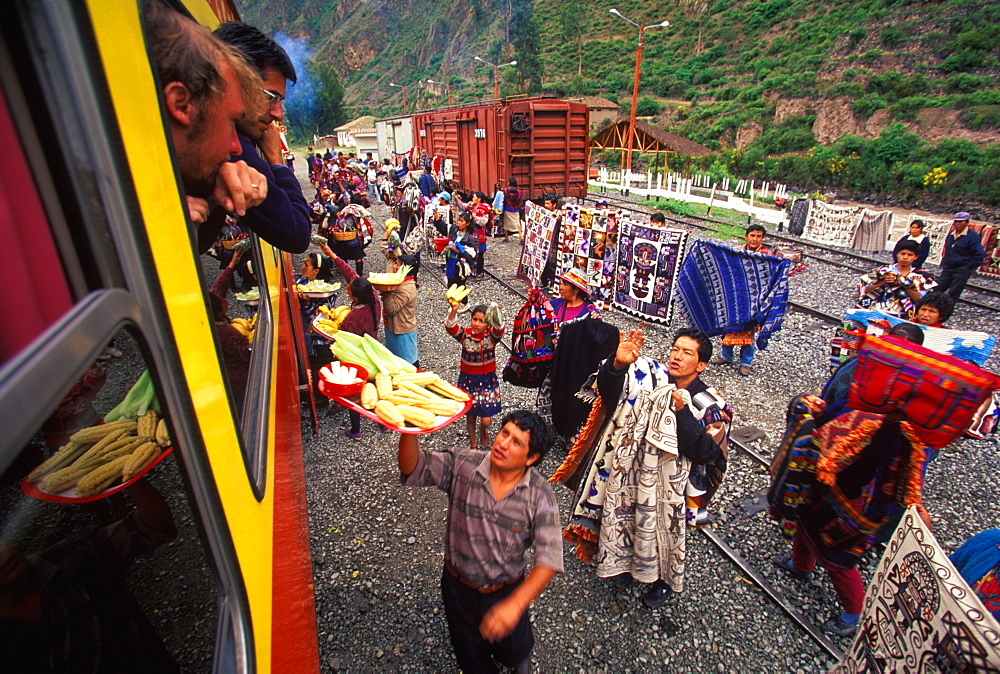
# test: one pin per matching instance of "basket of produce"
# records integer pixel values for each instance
(317, 289)
(385, 281)
(327, 321)
(345, 236)
(342, 379)
(103, 459)
(398, 396)
(251, 298)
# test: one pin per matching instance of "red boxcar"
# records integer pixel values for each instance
(540, 141)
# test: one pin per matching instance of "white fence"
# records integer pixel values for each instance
(676, 186)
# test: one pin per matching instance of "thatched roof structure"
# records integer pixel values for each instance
(648, 138)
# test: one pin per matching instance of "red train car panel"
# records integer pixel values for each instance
(540, 141)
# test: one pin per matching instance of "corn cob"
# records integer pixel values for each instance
(95, 433)
(369, 396)
(417, 416)
(111, 450)
(139, 459)
(162, 434)
(397, 399)
(449, 391)
(62, 479)
(383, 384)
(96, 480)
(446, 408)
(419, 378)
(99, 447)
(418, 390)
(62, 457)
(388, 413)
(146, 425)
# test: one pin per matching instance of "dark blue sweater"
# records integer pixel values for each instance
(963, 252)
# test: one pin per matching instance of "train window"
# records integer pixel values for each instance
(241, 311)
(97, 574)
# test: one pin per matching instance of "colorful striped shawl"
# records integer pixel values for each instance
(726, 290)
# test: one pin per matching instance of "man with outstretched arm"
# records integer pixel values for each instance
(499, 507)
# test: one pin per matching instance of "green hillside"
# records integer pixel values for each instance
(869, 96)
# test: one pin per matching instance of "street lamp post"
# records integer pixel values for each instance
(447, 84)
(403, 87)
(496, 74)
(635, 85)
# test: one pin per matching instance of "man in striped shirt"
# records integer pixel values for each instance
(499, 507)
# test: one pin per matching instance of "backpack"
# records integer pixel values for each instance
(411, 197)
(532, 343)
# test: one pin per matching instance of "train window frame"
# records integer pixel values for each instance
(254, 420)
(57, 43)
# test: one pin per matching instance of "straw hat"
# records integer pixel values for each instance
(577, 279)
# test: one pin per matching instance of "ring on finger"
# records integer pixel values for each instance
(253, 185)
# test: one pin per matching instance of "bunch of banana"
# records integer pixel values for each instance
(388, 278)
(245, 326)
(332, 318)
(96, 456)
(416, 398)
(456, 294)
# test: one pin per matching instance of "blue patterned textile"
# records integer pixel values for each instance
(723, 290)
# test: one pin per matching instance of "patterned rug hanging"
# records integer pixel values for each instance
(539, 229)
(919, 614)
(646, 270)
(588, 241)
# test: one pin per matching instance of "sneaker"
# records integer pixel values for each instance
(745, 370)
(352, 435)
(657, 595)
(838, 627)
(785, 562)
(622, 581)
(698, 518)
(718, 360)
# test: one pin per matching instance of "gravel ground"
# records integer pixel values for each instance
(377, 546)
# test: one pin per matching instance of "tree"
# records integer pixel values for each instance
(330, 111)
(315, 104)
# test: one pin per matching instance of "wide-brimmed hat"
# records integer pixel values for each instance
(576, 278)
(962, 215)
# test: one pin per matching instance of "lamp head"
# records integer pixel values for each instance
(665, 23)
(615, 11)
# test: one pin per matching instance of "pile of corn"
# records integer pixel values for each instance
(97, 456)
(415, 398)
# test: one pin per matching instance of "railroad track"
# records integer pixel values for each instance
(870, 262)
(769, 590)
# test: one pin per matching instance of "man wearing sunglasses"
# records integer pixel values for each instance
(283, 217)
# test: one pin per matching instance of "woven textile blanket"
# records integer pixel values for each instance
(872, 230)
(539, 230)
(962, 344)
(919, 614)
(833, 225)
(723, 289)
(646, 270)
(988, 236)
(587, 241)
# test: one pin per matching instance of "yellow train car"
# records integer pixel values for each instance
(200, 560)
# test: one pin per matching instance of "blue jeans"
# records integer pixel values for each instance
(747, 352)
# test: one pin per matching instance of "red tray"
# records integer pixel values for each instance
(354, 403)
(68, 496)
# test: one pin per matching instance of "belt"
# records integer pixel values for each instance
(484, 589)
